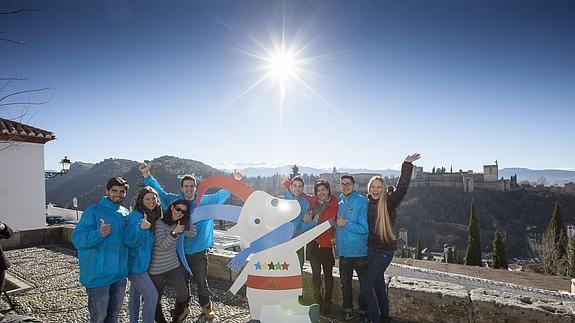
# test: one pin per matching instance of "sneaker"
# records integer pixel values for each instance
(348, 316)
(208, 312)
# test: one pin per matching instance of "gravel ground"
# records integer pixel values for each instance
(57, 296)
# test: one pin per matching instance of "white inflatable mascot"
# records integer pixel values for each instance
(272, 274)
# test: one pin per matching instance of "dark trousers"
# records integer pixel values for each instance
(373, 290)
(2, 282)
(198, 263)
(318, 258)
(176, 279)
(346, 267)
(300, 255)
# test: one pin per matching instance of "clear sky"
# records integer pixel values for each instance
(461, 82)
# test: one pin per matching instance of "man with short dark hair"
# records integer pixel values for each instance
(351, 242)
(199, 237)
(295, 192)
(103, 258)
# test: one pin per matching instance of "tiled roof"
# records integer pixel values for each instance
(16, 131)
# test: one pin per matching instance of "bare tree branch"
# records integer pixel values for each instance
(20, 93)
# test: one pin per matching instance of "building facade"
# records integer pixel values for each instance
(22, 189)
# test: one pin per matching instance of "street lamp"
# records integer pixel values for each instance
(64, 168)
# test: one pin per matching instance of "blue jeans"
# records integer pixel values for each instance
(105, 303)
(373, 290)
(346, 267)
(142, 285)
(198, 263)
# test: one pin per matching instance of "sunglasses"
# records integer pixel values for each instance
(179, 209)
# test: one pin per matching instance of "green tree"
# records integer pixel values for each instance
(572, 257)
(294, 172)
(499, 252)
(473, 253)
(419, 248)
(555, 260)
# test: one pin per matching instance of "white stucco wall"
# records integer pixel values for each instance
(22, 190)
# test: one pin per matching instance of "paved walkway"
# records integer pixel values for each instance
(57, 296)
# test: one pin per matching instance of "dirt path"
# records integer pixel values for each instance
(529, 279)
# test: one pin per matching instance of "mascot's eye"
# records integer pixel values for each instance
(254, 220)
(275, 202)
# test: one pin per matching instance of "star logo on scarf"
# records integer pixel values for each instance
(285, 266)
(278, 266)
(271, 266)
(258, 266)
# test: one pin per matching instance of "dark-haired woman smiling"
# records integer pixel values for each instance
(165, 265)
(139, 238)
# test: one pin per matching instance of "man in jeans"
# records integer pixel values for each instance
(199, 237)
(295, 192)
(99, 239)
(351, 242)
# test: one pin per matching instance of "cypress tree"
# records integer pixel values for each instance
(499, 253)
(557, 224)
(473, 253)
(555, 260)
(572, 257)
(419, 248)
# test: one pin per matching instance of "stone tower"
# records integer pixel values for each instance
(490, 173)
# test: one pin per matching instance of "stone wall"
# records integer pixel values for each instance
(414, 300)
(418, 300)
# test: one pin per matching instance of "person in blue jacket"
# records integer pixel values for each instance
(139, 238)
(351, 232)
(103, 257)
(295, 192)
(199, 237)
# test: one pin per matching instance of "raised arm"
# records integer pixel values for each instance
(149, 180)
(404, 179)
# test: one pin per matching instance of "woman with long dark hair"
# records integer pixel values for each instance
(381, 213)
(139, 238)
(320, 250)
(165, 266)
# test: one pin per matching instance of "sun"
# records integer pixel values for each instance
(282, 64)
(284, 61)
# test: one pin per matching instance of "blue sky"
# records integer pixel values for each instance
(461, 82)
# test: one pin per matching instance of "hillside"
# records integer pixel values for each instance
(440, 215)
(88, 184)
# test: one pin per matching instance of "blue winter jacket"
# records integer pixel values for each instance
(351, 240)
(300, 226)
(140, 243)
(103, 260)
(205, 236)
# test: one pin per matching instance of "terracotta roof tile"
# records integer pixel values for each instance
(16, 131)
